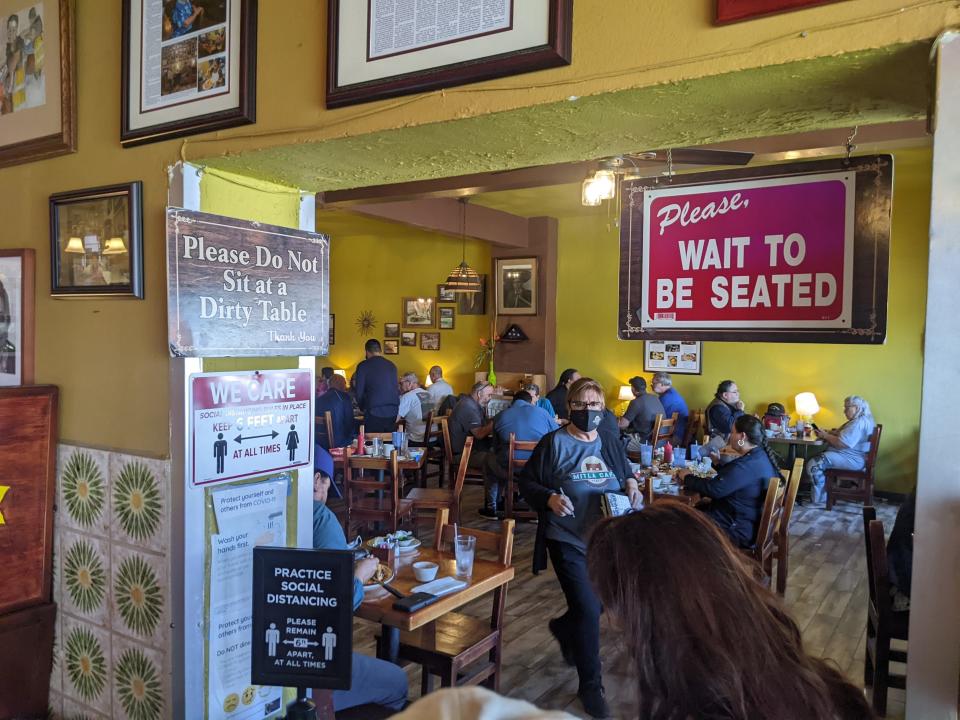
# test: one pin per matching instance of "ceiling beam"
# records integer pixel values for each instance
(443, 215)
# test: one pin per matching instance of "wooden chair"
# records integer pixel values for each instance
(763, 549)
(883, 623)
(514, 465)
(439, 451)
(861, 489)
(323, 426)
(461, 649)
(696, 426)
(439, 498)
(663, 429)
(782, 536)
(374, 498)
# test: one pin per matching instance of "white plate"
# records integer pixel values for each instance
(404, 549)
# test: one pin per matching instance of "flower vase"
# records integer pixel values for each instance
(491, 376)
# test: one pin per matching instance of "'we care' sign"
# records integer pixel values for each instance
(245, 289)
(774, 251)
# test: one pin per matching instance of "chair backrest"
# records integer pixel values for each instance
(427, 427)
(445, 434)
(874, 448)
(790, 500)
(499, 544)
(357, 483)
(324, 428)
(663, 428)
(877, 570)
(772, 514)
(695, 427)
(462, 468)
(328, 423)
(513, 462)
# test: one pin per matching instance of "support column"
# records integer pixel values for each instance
(934, 649)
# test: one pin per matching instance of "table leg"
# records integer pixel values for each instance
(388, 644)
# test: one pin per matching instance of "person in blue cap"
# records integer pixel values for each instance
(372, 681)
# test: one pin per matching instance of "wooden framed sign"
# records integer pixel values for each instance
(787, 253)
(729, 11)
(245, 289)
(383, 48)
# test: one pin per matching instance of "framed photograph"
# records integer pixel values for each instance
(408, 339)
(429, 341)
(445, 294)
(96, 241)
(187, 67)
(517, 286)
(38, 83)
(333, 334)
(447, 319)
(378, 49)
(391, 330)
(473, 303)
(16, 316)
(729, 11)
(391, 347)
(418, 312)
(673, 356)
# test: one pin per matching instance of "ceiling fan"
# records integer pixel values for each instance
(603, 183)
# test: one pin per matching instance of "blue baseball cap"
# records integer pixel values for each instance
(322, 461)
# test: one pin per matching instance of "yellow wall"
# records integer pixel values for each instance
(888, 376)
(373, 272)
(109, 357)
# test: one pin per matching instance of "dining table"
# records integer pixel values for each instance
(377, 605)
(793, 442)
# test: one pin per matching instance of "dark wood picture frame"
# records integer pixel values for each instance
(64, 141)
(446, 313)
(445, 295)
(556, 52)
(404, 317)
(391, 346)
(25, 339)
(731, 11)
(426, 337)
(408, 339)
(134, 195)
(514, 305)
(473, 303)
(245, 113)
(391, 330)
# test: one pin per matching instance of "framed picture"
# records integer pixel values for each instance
(391, 330)
(333, 334)
(729, 11)
(408, 339)
(445, 294)
(673, 356)
(517, 286)
(16, 316)
(418, 312)
(377, 51)
(473, 303)
(447, 318)
(429, 341)
(96, 241)
(391, 347)
(38, 83)
(187, 67)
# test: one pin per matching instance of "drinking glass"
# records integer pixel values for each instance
(377, 449)
(464, 547)
(679, 457)
(646, 455)
(694, 452)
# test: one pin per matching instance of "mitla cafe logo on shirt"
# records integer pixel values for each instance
(592, 470)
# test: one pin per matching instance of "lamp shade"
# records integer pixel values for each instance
(341, 373)
(626, 393)
(464, 279)
(114, 246)
(429, 381)
(806, 404)
(74, 245)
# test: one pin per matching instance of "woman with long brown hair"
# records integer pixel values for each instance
(707, 641)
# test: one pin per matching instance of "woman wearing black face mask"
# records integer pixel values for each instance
(563, 481)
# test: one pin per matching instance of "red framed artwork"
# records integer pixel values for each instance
(730, 11)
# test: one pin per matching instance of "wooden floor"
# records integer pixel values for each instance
(826, 593)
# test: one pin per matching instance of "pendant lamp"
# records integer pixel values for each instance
(463, 278)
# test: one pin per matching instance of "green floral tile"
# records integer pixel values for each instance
(84, 577)
(137, 685)
(85, 665)
(137, 594)
(139, 501)
(83, 488)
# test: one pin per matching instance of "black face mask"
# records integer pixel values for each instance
(586, 420)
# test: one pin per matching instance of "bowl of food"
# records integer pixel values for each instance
(383, 574)
(425, 571)
(404, 541)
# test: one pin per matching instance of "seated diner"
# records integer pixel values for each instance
(849, 445)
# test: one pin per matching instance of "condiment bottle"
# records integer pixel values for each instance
(360, 443)
(668, 452)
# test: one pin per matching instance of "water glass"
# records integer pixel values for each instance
(377, 449)
(694, 452)
(679, 457)
(646, 455)
(464, 547)
(397, 439)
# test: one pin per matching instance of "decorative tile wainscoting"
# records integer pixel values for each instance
(111, 585)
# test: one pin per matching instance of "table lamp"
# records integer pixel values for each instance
(429, 381)
(806, 405)
(341, 373)
(626, 394)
